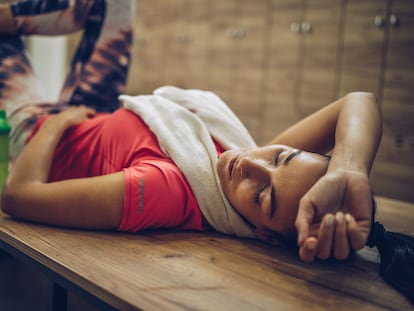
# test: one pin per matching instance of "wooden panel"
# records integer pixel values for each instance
(281, 68)
(171, 45)
(197, 57)
(236, 57)
(176, 39)
(147, 66)
(317, 86)
(390, 176)
(363, 46)
(248, 58)
(186, 43)
(397, 147)
(398, 98)
(221, 59)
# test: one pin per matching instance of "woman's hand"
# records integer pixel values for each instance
(34, 162)
(334, 216)
(93, 202)
(74, 115)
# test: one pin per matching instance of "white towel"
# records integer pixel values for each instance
(184, 122)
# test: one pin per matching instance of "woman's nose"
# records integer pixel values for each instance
(251, 167)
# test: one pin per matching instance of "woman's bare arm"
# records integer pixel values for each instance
(94, 203)
(335, 214)
(319, 131)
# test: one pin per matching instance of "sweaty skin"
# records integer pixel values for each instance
(326, 204)
(266, 184)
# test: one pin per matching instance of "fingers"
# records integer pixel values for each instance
(320, 247)
(332, 239)
(357, 237)
(326, 236)
(341, 249)
(75, 115)
(304, 219)
(308, 249)
(88, 110)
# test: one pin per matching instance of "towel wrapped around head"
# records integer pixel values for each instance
(184, 122)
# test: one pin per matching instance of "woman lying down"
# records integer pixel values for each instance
(181, 158)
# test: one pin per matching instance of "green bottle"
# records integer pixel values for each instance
(4, 147)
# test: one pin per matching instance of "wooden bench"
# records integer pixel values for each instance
(167, 270)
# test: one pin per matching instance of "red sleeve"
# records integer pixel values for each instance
(157, 196)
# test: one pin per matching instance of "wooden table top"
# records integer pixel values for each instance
(168, 270)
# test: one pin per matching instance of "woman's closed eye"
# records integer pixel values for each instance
(289, 156)
(276, 158)
(257, 195)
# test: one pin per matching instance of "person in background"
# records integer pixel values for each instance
(180, 158)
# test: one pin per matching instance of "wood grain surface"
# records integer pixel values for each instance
(170, 270)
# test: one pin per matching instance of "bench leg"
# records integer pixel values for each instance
(56, 297)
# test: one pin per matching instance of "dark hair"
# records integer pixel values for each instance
(396, 252)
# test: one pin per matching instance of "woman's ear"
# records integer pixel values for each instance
(267, 236)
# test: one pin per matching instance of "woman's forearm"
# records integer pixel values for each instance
(94, 203)
(33, 164)
(358, 134)
(339, 205)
